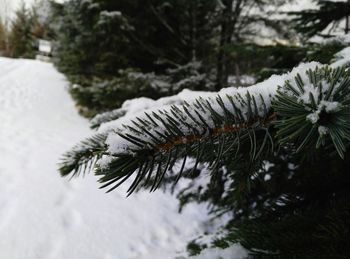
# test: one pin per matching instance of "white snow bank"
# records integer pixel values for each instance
(45, 216)
(342, 58)
(228, 253)
(343, 39)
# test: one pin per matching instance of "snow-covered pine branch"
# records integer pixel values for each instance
(309, 107)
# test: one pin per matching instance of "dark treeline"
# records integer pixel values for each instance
(104, 42)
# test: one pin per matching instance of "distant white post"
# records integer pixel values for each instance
(45, 46)
(45, 49)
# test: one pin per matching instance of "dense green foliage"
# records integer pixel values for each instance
(126, 37)
(3, 38)
(126, 40)
(89, 43)
(21, 40)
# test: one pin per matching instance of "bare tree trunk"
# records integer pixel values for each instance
(193, 29)
(347, 22)
(231, 13)
(225, 38)
(221, 57)
(238, 75)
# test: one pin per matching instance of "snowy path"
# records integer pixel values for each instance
(43, 216)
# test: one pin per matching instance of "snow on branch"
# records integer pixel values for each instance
(309, 108)
(202, 113)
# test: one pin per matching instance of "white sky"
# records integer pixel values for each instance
(7, 7)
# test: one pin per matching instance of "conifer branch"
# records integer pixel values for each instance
(207, 130)
(82, 157)
(310, 111)
(314, 110)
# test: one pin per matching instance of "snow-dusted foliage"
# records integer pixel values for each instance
(322, 96)
(233, 99)
(113, 18)
(111, 93)
(190, 76)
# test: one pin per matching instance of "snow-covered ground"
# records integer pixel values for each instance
(43, 216)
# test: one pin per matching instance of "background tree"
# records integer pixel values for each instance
(22, 42)
(4, 23)
(238, 20)
(132, 30)
(194, 35)
(3, 38)
(141, 24)
(328, 15)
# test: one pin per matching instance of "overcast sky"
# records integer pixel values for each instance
(7, 7)
(12, 5)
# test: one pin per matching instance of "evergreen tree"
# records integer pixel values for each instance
(276, 152)
(237, 21)
(99, 42)
(184, 27)
(22, 42)
(90, 40)
(95, 49)
(191, 31)
(3, 38)
(43, 16)
(132, 35)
